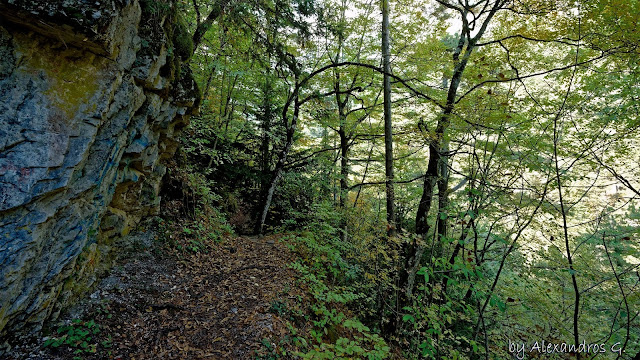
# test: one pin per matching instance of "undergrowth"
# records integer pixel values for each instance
(192, 221)
(325, 324)
(79, 337)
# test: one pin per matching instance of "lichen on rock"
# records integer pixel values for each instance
(89, 104)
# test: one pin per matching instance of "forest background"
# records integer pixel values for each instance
(457, 176)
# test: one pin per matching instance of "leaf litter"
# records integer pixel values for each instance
(171, 304)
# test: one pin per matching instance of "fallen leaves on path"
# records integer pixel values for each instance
(212, 304)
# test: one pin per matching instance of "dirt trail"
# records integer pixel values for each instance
(207, 305)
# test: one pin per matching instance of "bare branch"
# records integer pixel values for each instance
(603, 55)
(566, 41)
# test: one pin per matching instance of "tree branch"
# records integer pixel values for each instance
(204, 26)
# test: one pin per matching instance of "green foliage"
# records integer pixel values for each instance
(155, 8)
(495, 263)
(278, 307)
(294, 206)
(79, 336)
(192, 200)
(182, 40)
(438, 324)
(103, 309)
(323, 269)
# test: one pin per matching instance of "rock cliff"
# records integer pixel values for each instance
(91, 95)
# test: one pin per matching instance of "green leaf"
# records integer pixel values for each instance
(409, 318)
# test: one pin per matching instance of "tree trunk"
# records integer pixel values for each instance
(437, 169)
(344, 146)
(436, 175)
(203, 27)
(388, 130)
(443, 184)
(282, 159)
(265, 154)
(344, 180)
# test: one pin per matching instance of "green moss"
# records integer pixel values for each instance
(152, 27)
(72, 76)
(3, 318)
(155, 8)
(74, 287)
(182, 41)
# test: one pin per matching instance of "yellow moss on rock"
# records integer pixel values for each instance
(72, 74)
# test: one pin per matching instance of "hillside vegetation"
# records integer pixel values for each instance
(460, 178)
(446, 179)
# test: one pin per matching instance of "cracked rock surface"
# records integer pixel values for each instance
(87, 116)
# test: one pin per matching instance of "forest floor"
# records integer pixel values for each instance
(162, 303)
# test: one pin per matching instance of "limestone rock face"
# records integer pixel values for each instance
(90, 98)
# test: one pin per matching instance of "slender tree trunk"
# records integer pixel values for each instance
(437, 168)
(565, 226)
(395, 321)
(443, 194)
(205, 92)
(364, 174)
(282, 159)
(344, 180)
(342, 102)
(207, 23)
(265, 156)
(334, 184)
(344, 143)
(563, 207)
(388, 129)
